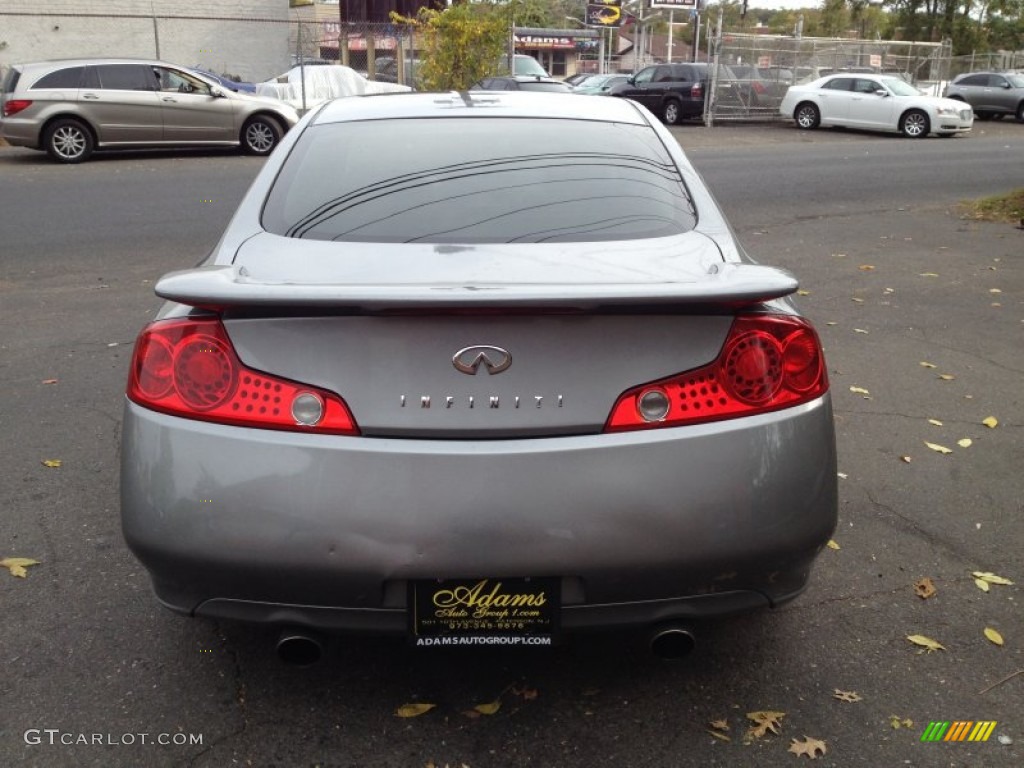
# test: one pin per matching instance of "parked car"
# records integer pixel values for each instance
(70, 108)
(874, 102)
(423, 386)
(522, 83)
(386, 70)
(674, 92)
(990, 94)
(235, 85)
(306, 87)
(527, 65)
(599, 84)
(579, 77)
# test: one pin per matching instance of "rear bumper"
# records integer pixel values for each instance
(326, 531)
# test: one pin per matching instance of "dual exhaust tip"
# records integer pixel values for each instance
(300, 648)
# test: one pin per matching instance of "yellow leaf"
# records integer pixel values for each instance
(413, 710)
(802, 292)
(965, 443)
(859, 391)
(928, 365)
(859, 301)
(982, 585)
(906, 459)
(935, 422)
(865, 267)
(813, 748)
(17, 565)
(993, 636)
(938, 448)
(924, 588)
(766, 721)
(927, 274)
(833, 544)
(897, 722)
(51, 463)
(720, 736)
(991, 422)
(860, 330)
(850, 696)
(991, 578)
(946, 376)
(488, 709)
(994, 290)
(719, 725)
(927, 643)
(831, 322)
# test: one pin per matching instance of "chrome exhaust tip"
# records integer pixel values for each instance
(672, 641)
(299, 648)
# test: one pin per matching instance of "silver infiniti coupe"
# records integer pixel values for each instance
(478, 368)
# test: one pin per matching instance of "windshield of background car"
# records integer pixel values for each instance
(900, 87)
(1017, 81)
(478, 180)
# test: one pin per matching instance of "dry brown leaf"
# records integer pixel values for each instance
(994, 290)
(833, 544)
(850, 696)
(489, 708)
(938, 448)
(49, 381)
(413, 710)
(927, 274)
(926, 643)
(993, 636)
(927, 365)
(991, 578)
(936, 423)
(906, 459)
(991, 422)
(924, 588)
(52, 463)
(859, 301)
(947, 376)
(866, 267)
(859, 391)
(982, 585)
(17, 565)
(719, 736)
(766, 721)
(897, 722)
(719, 725)
(965, 442)
(810, 747)
(803, 292)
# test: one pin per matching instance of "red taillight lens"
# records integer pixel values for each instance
(768, 362)
(697, 91)
(189, 368)
(14, 106)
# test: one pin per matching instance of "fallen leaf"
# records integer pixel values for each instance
(991, 422)
(49, 381)
(842, 475)
(927, 643)
(982, 585)
(991, 578)
(994, 290)
(865, 267)
(859, 391)
(936, 422)
(413, 710)
(965, 443)
(17, 565)
(488, 709)
(924, 588)
(803, 292)
(906, 459)
(833, 544)
(993, 636)
(850, 696)
(719, 725)
(767, 721)
(859, 301)
(833, 322)
(719, 736)
(528, 694)
(860, 330)
(946, 376)
(927, 274)
(51, 463)
(810, 747)
(928, 365)
(938, 448)
(897, 722)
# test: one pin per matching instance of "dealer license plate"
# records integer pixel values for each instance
(513, 611)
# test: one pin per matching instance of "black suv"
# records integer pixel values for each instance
(671, 91)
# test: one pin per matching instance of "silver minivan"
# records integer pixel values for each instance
(70, 108)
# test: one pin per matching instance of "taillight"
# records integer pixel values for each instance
(767, 362)
(14, 106)
(759, 87)
(189, 368)
(697, 91)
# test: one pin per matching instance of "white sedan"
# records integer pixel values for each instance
(874, 102)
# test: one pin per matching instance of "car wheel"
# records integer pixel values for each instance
(983, 115)
(1020, 112)
(914, 124)
(671, 113)
(68, 141)
(260, 135)
(807, 116)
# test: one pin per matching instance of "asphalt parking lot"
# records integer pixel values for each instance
(922, 314)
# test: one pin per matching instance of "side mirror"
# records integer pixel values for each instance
(216, 92)
(1006, 85)
(881, 92)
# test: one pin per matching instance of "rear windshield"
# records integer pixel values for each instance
(10, 80)
(478, 180)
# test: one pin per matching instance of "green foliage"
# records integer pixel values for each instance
(460, 44)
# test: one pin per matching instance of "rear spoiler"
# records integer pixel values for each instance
(222, 287)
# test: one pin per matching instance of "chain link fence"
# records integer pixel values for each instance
(1002, 61)
(751, 73)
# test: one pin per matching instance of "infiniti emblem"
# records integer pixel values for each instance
(494, 359)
